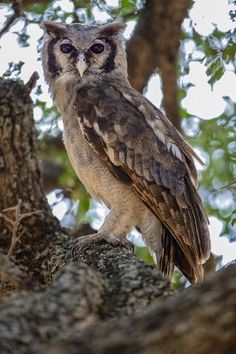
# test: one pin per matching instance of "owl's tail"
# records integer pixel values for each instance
(172, 254)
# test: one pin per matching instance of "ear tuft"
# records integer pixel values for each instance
(112, 28)
(53, 29)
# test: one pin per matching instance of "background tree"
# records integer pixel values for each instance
(34, 247)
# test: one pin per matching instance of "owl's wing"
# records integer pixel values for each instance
(142, 148)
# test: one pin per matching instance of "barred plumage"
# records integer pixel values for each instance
(123, 149)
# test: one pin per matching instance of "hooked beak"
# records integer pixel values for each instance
(81, 64)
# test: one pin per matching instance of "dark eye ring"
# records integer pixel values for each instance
(66, 47)
(97, 48)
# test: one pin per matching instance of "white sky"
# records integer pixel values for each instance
(200, 101)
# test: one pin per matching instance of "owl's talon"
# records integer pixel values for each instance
(128, 245)
(113, 240)
(83, 242)
(120, 241)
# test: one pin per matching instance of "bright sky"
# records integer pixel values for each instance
(200, 101)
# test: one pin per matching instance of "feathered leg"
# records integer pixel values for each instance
(116, 226)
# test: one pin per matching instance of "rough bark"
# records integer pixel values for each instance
(102, 307)
(26, 222)
(155, 45)
(199, 321)
(19, 172)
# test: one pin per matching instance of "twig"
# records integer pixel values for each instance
(17, 12)
(8, 220)
(228, 185)
(14, 238)
(32, 81)
(15, 223)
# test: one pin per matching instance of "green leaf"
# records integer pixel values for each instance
(144, 254)
(13, 68)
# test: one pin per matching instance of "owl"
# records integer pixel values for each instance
(124, 150)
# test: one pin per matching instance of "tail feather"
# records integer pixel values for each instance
(172, 254)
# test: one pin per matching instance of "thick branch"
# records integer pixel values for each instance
(73, 312)
(198, 321)
(155, 44)
(101, 284)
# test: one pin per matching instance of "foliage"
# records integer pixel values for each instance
(215, 138)
(219, 49)
(14, 69)
(144, 254)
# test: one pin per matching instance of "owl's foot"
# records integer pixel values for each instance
(120, 241)
(83, 242)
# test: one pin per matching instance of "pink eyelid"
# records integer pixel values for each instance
(66, 41)
(99, 41)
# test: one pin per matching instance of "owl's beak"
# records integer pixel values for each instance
(81, 64)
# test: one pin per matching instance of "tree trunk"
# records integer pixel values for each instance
(26, 222)
(103, 300)
(155, 45)
(19, 172)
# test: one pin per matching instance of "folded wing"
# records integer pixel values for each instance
(142, 148)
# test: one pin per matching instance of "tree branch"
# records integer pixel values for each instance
(75, 312)
(195, 321)
(32, 81)
(17, 12)
(155, 44)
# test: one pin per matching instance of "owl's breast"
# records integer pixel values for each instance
(92, 172)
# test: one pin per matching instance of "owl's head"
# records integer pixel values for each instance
(83, 50)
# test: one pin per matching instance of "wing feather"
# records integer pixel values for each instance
(136, 139)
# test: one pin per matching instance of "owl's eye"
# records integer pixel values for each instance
(66, 47)
(97, 48)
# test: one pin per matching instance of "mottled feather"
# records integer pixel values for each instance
(161, 170)
(123, 149)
